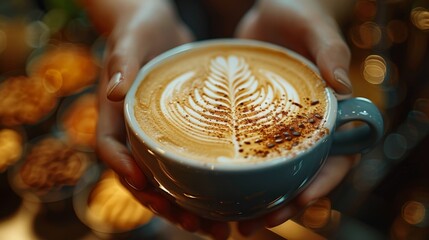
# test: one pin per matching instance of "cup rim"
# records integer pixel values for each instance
(157, 149)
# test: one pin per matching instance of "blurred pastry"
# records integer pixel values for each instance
(65, 69)
(24, 100)
(79, 121)
(112, 206)
(11, 147)
(52, 164)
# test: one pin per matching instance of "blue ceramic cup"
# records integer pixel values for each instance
(245, 191)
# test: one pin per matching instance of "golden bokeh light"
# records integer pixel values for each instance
(65, 69)
(318, 214)
(79, 121)
(420, 18)
(24, 101)
(113, 208)
(366, 35)
(11, 148)
(374, 69)
(414, 212)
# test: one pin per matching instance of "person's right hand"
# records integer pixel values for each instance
(309, 28)
(136, 32)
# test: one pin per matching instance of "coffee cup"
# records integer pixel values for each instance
(232, 129)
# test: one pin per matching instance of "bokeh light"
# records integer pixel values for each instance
(55, 19)
(374, 69)
(318, 214)
(24, 100)
(11, 147)
(37, 34)
(420, 18)
(65, 68)
(365, 10)
(414, 212)
(366, 35)
(79, 121)
(395, 146)
(108, 207)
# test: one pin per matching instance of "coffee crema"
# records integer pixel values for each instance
(232, 104)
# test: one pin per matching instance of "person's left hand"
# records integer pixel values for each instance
(136, 32)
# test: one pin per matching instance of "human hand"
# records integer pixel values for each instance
(136, 31)
(308, 28)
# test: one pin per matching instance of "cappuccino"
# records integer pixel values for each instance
(232, 104)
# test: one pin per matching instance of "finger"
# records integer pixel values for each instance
(217, 230)
(248, 227)
(331, 174)
(160, 205)
(124, 58)
(152, 199)
(281, 215)
(110, 138)
(331, 55)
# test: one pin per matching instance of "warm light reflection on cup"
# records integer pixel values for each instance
(420, 18)
(374, 69)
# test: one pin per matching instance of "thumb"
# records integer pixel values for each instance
(123, 60)
(332, 56)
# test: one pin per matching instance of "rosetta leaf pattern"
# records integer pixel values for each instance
(231, 105)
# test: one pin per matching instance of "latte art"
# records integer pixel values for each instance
(232, 105)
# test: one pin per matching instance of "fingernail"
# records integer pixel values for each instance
(113, 83)
(133, 185)
(342, 78)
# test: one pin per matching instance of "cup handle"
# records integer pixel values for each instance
(358, 139)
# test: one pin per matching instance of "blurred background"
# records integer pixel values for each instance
(49, 67)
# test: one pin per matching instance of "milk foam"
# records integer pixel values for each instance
(233, 106)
